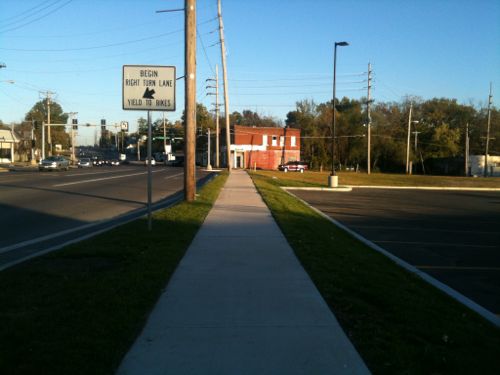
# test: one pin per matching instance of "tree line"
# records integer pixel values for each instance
(438, 131)
(440, 124)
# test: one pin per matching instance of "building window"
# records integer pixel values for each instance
(264, 140)
(282, 141)
(274, 141)
(293, 141)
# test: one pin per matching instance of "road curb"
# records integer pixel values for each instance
(450, 188)
(486, 314)
(338, 188)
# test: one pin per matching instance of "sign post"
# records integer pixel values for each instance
(148, 88)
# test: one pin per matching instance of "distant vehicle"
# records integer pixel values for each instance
(153, 162)
(177, 162)
(114, 162)
(54, 163)
(294, 166)
(97, 162)
(84, 163)
(159, 157)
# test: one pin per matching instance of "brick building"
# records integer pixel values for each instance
(264, 148)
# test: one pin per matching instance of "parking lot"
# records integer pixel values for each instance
(452, 235)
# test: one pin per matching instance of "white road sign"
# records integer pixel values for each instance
(148, 88)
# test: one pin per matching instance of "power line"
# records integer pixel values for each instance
(205, 51)
(326, 84)
(93, 47)
(26, 11)
(312, 78)
(294, 93)
(39, 18)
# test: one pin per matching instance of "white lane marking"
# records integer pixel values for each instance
(103, 179)
(435, 244)
(101, 172)
(173, 176)
(459, 268)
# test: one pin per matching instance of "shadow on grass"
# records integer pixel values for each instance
(78, 310)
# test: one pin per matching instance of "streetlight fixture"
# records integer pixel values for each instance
(333, 178)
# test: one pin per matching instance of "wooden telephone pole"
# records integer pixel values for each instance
(490, 97)
(190, 100)
(226, 94)
(369, 126)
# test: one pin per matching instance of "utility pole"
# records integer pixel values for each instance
(164, 136)
(71, 115)
(416, 140)
(415, 150)
(368, 103)
(150, 172)
(216, 110)
(43, 140)
(408, 141)
(209, 166)
(48, 95)
(33, 161)
(490, 97)
(190, 100)
(217, 116)
(226, 94)
(466, 150)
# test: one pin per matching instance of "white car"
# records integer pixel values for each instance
(84, 163)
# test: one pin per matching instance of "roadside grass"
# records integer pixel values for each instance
(78, 310)
(318, 179)
(398, 323)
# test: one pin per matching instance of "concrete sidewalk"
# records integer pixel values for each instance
(241, 303)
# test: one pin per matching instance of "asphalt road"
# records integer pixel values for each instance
(452, 235)
(34, 205)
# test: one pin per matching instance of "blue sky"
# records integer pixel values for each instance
(279, 52)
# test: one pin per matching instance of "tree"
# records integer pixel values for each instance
(39, 113)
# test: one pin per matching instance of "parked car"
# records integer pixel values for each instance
(84, 163)
(294, 166)
(54, 163)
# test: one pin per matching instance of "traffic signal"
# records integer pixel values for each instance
(74, 121)
(103, 122)
(33, 143)
(35, 123)
(75, 127)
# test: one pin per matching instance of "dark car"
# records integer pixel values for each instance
(98, 162)
(53, 163)
(294, 166)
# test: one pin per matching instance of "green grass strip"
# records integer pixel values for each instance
(320, 179)
(398, 323)
(78, 310)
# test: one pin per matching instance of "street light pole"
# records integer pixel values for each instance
(408, 141)
(333, 178)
